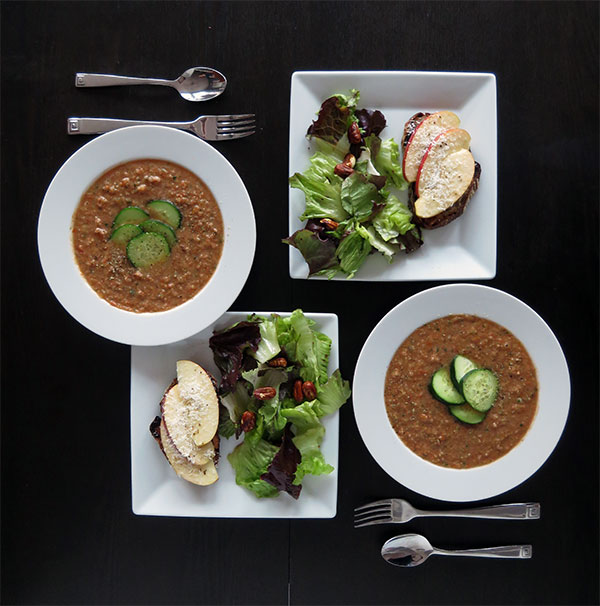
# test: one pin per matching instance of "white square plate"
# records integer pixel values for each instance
(466, 248)
(155, 488)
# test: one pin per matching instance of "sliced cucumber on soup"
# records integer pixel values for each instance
(459, 367)
(467, 414)
(131, 214)
(147, 249)
(122, 234)
(442, 388)
(480, 389)
(165, 211)
(158, 227)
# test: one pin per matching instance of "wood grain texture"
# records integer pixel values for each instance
(68, 534)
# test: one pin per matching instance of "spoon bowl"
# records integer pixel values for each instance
(195, 84)
(200, 84)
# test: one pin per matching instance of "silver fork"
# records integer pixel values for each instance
(209, 128)
(397, 511)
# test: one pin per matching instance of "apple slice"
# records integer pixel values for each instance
(451, 177)
(446, 143)
(421, 139)
(190, 410)
(196, 388)
(202, 475)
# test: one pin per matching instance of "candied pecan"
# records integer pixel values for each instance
(330, 223)
(265, 393)
(248, 421)
(343, 170)
(349, 160)
(298, 393)
(279, 362)
(354, 134)
(309, 390)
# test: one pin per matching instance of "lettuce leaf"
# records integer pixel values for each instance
(228, 347)
(317, 248)
(282, 469)
(250, 460)
(393, 220)
(322, 197)
(385, 156)
(358, 196)
(352, 252)
(335, 115)
(269, 345)
(332, 394)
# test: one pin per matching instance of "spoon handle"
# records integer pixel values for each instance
(92, 80)
(506, 551)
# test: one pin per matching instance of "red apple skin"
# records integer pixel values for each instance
(445, 134)
(423, 124)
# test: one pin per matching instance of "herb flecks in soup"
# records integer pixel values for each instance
(191, 260)
(423, 423)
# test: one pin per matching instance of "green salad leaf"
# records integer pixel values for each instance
(285, 443)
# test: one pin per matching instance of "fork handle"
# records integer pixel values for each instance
(93, 80)
(95, 126)
(511, 511)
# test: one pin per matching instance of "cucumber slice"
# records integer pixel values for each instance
(459, 367)
(442, 388)
(147, 249)
(158, 227)
(124, 233)
(165, 211)
(467, 414)
(131, 214)
(480, 388)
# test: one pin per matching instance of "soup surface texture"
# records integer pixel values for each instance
(193, 258)
(426, 426)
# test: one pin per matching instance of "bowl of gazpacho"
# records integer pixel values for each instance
(146, 235)
(461, 392)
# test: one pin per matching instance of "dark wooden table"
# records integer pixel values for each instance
(68, 533)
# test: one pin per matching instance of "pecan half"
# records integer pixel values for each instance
(330, 223)
(343, 170)
(349, 160)
(265, 393)
(298, 393)
(354, 134)
(248, 421)
(279, 362)
(309, 390)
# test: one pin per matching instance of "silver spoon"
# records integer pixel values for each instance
(195, 84)
(409, 550)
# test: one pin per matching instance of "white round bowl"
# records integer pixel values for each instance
(479, 482)
(56, 248)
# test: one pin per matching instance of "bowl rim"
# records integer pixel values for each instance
(517, 465)
(55, 249)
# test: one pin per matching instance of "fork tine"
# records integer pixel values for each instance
(373, 504)
(229, 117)
(223, 125)
(370, 522)
(235, 129)
(234, 135)
(375, 510)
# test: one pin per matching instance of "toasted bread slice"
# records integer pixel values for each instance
(202, 475)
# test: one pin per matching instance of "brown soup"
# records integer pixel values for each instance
(193, 258)
(426, 426)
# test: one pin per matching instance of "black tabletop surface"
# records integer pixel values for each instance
(68, 532)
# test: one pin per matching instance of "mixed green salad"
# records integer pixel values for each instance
(352, 207)
(275, 389)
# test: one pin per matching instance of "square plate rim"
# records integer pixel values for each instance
(484, 266)
(331, 421)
